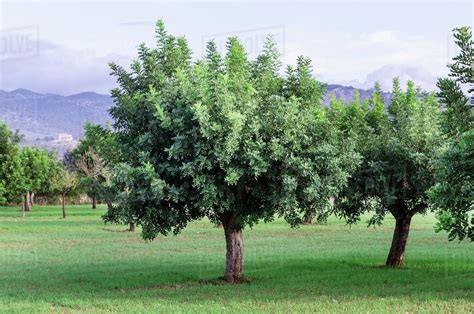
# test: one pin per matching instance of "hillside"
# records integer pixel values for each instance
(44, 115)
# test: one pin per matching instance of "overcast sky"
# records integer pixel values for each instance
(64, 48)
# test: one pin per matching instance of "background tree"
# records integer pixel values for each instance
(11, 171)
(351, 122)
(95, 154)
(89, 177)
(461, 69)
(453, 195)
(38, 167)
(454, 191)
(91, 168)
(225, 138)
(65, 184)
(398, 165)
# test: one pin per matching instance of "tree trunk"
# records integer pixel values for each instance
(396, 255)
(234, 267)
(94, 202)
(109, 204)
(32, 199)
(131, 227)
(63, 205)
(23, 209)
(308, 218)
(26, 202)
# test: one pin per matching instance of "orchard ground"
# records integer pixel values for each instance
(81, 265)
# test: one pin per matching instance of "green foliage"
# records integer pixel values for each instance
(23, 170)
(454, 192)
(39, 167)
(461, 70)
(65, 182)
(377, 115)
(458, 116)
(11, 180)
(92, 160)
(223, 136)
(398, 158)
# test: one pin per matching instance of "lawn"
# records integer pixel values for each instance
(48, 264)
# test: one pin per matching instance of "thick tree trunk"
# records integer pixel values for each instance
(234, 266)
(63, 205)
(131, 227)
(26, 202)
(94, 202)
(32, 199)
(308, 218)
(396, 255)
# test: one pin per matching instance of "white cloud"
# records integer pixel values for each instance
(344, 57)
(58, 69)
(381, 37)
(405, 73)
(357, 59)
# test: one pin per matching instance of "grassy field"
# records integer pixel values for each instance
(48, 264)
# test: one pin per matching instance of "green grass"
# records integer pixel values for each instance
(48, 264)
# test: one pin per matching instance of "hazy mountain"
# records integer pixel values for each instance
(43, 116)
(404, 72)
(40, 115)
(346, 93)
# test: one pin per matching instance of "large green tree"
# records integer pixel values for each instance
(453, 195)
(225, 138)
(399, 148)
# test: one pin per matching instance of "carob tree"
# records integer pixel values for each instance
(225, 138)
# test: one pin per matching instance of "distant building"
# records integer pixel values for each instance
(64, 137)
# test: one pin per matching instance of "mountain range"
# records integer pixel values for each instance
(43, 116)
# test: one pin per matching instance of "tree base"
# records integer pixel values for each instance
(221, 280)
(396, 256)
(234, 265)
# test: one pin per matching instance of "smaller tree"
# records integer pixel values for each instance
(65, 185)
(38, 168)
(96, 153)
(91, 167)
(398, 164)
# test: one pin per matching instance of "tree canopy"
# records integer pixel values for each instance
(23, 171)
(10, 164)
(453, 194)
(225, 138)
(399, 148)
